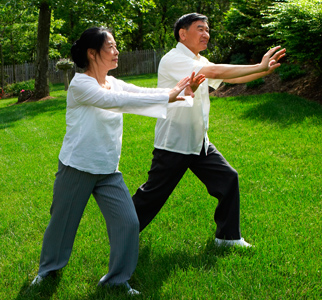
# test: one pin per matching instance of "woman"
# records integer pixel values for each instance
(89, 157)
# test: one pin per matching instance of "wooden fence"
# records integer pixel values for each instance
(130, 63)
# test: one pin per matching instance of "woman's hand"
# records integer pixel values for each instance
(190, 84)
(173, 94)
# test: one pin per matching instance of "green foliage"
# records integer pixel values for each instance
(255, 83)
(238, 59)
(58, 42)
(298, 26)
(244, 21)
(246, 27)
(290, 71)
(228, 85)
(18, 27)
(15, 88)
(221, 41)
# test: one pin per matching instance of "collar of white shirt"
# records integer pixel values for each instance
(186, 51)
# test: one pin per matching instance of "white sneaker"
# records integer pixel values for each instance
(38, 279)
(230, 243)
(124, 285)
(133, 292)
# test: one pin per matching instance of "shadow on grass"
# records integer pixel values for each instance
(103, 293)
(11, 114)
(153, 271)
(43, 291)
(280, 109)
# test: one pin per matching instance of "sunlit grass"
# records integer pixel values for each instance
(274, 141)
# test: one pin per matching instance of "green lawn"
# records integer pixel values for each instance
(273, 140)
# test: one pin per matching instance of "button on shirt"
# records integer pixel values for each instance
(94, 120)
(185, 128)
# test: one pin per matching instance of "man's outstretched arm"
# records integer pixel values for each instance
(245, 73)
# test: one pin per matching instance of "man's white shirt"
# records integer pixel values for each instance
(185, 128)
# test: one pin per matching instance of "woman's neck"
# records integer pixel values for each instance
(100, 76)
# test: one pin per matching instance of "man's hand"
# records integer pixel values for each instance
(194, 83)
(273, 64)
(270, 59)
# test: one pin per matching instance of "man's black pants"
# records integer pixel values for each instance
(212, 169)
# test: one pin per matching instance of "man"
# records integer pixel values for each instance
(181, 140)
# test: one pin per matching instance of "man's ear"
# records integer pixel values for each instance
(182, 34)
(91, 53)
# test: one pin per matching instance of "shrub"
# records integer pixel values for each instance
(24, 95)
(229, 84)
(14, 89)
(244, 21)
(290, 71)
(255, 83)
(298, 26)
(238, 59)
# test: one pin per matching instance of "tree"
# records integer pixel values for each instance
(41, 66)
(4, 11)
(16, 23)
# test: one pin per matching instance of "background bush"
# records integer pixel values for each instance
(15, 88)
(244, 22)
(238, 59)
(298, 26)
(255, 83)
(290, 71)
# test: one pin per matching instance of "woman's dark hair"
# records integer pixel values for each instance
(92, 38)
(185, 21)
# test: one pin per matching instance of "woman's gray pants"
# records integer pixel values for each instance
(72, 190)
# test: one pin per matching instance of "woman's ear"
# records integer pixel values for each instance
(91, 53)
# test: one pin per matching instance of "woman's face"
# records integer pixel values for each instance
(108, 56)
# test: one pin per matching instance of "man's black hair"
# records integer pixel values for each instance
(185, 21)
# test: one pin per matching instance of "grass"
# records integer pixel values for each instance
(273, 140)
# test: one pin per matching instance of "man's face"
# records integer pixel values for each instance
(196, 37)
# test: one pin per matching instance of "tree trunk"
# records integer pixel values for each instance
(2, 68)
(42, 77)
(13, 60)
